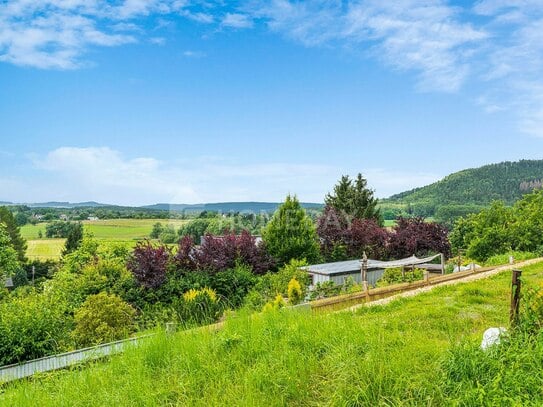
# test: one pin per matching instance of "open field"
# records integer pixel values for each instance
(393, 354)
(44, 249)
(111, 229)
(119, 230)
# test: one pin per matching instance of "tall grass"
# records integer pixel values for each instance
(395, 354)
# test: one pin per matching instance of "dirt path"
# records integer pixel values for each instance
(467, 279)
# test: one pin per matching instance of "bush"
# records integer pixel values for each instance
(220, 253)
(148, 264)
(103, 318)
(198, 307)
(395, 276)
(415, 236)
(32, 326)
(233, 285)
(294, 291)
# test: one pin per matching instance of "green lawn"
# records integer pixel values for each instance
(119, 230)
(389, 355)
(44, 249)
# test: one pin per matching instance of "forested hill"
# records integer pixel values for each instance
(469, 190)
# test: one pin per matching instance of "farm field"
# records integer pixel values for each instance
(114, 230)
(402, 353)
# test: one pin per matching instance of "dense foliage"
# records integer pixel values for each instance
(12, 229)
(343, 239)
(148, 264)
(415, 236)
(102, 318)
(353, 199)
(9, 262)
(291, 234)
(499, 229)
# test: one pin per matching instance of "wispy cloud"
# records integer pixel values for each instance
(107, 175)
(57, 33)
(236, 20)
(497, 44)
(194, 54)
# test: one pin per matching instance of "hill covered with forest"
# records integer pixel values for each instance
(468, 190)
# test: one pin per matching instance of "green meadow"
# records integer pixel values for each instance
(112, 230)
(408, 352)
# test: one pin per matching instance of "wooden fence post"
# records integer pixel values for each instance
(515, 296)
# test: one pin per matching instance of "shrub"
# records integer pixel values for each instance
(395, 276)
(220, 253)
(415, 236)
(103, 318)
(343, 239)
(233, 285)
(198, 306)
(294, 291)
(32, 326)
(148, 264)
(276, 304)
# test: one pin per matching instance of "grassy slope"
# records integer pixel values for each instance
(120, 230)
(383, 355)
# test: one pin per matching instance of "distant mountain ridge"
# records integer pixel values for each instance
(254, 207)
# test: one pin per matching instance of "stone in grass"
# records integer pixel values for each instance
(492, 336)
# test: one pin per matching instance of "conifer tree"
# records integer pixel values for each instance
(291, 234)
(354, 199)
(12, 229)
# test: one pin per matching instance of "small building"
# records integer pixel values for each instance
(338, 272)
(8, 283)
(93, 218)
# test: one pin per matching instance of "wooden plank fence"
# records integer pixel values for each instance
(347, 300)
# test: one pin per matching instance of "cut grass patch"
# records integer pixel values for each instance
(44, 249)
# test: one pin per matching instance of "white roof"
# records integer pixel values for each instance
(352, 266)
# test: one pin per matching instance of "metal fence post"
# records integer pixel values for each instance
(515, 296)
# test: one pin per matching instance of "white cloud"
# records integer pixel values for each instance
(194, 54)
(236, 20)
(105, 175)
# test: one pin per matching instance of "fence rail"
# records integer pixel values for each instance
(60, 361)
(346, 300)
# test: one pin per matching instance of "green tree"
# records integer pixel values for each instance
(17, 241)
(9, 262)
(157, 230)
(74, 238)
(291, 234)
(354, 198)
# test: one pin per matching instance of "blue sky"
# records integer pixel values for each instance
(144, 101)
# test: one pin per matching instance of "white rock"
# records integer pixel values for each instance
(492, 337)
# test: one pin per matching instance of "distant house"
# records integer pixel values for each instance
(338, 272)
(93, 218)
(37, 216)
(63, 217)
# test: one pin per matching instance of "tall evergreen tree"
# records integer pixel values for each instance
(74, 238)
(17, 241)
(291, 234)
(354, 199)
(8, 256)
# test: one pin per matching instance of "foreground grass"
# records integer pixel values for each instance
(393, 354)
